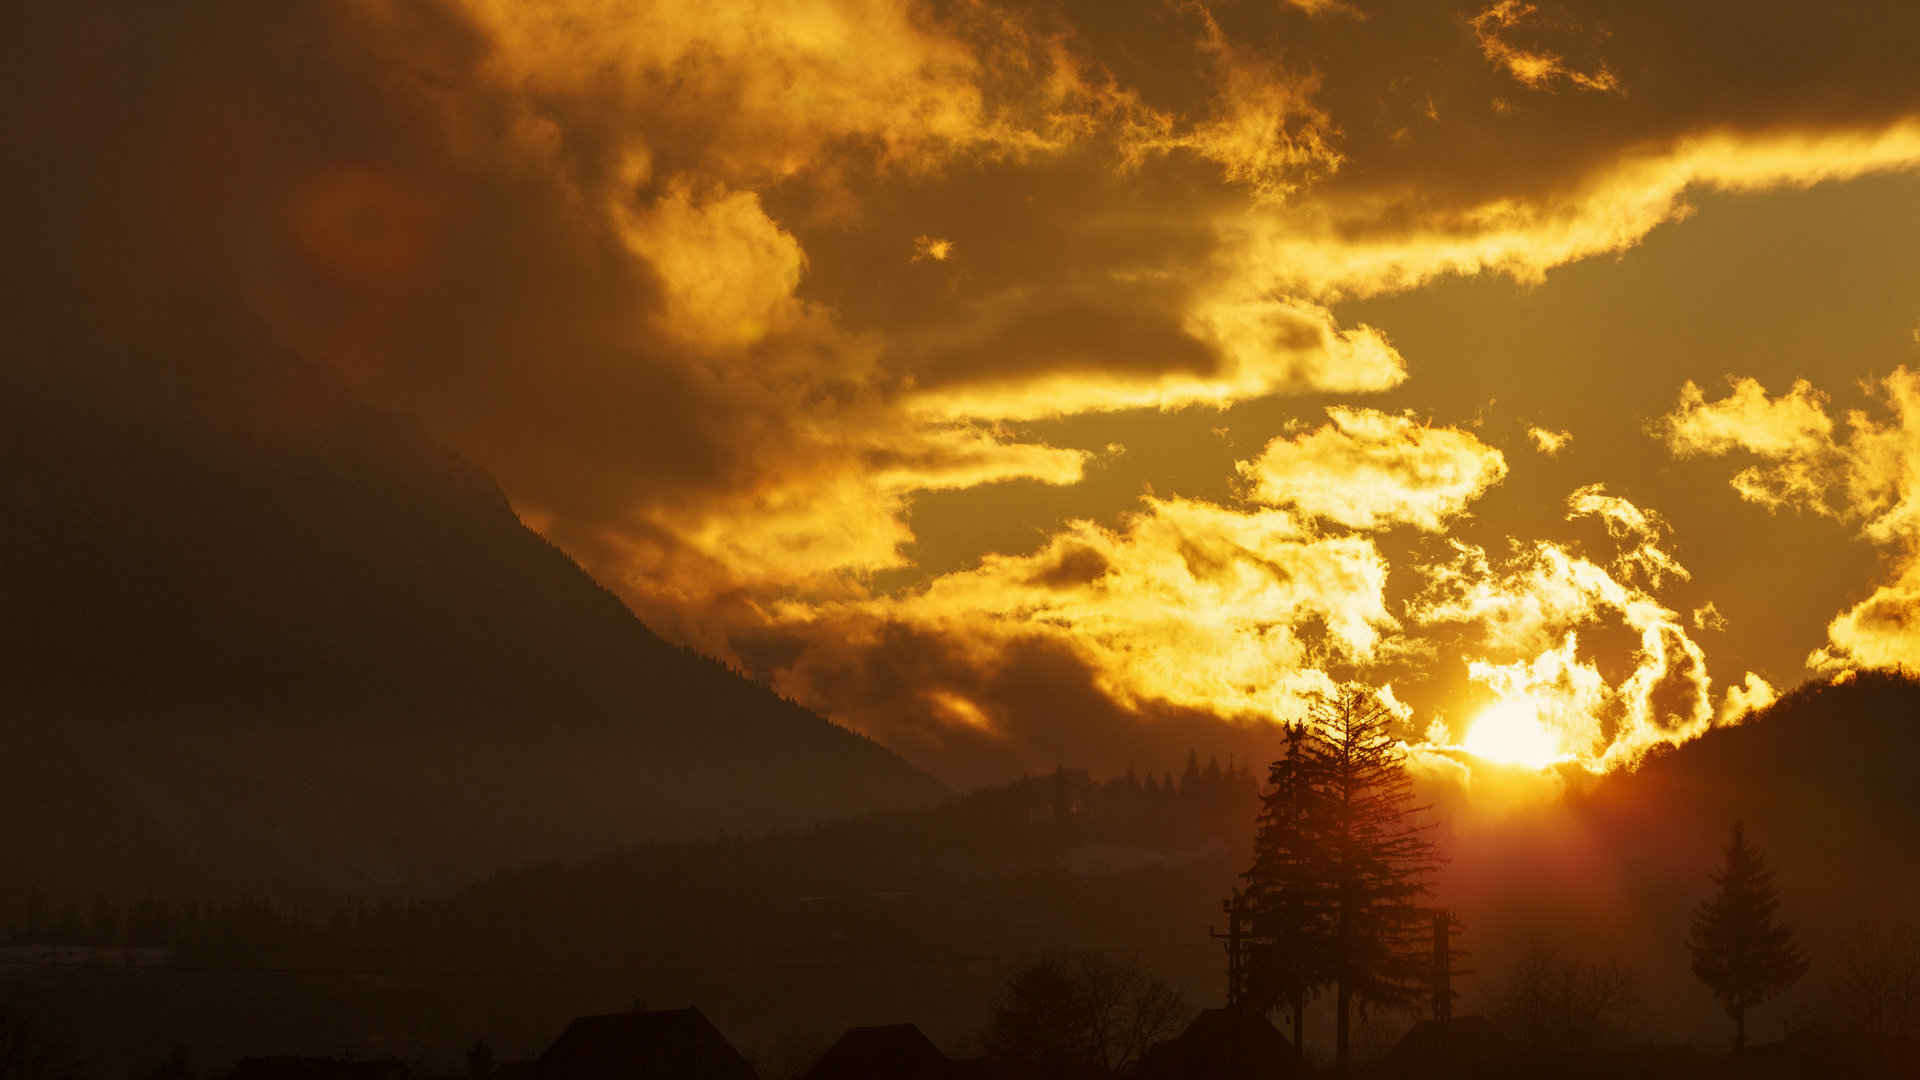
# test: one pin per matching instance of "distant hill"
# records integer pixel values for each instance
(911, 915)
(1826, 778)
(1825, 781)
(257, 633)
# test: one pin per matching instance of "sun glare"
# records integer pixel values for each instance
(1510, 731)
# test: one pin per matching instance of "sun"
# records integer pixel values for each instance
(1510, 731)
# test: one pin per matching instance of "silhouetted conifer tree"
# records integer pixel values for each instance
(1740, 950)
(1376, 857)
(1344, 864)
(1284, 897)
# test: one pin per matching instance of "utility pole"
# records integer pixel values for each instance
(1443, 971)
(1232, 937)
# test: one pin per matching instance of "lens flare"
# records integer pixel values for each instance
(1510, 731)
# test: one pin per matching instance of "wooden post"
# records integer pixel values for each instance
(1232, 937)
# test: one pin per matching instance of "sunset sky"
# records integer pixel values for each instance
(1027, 383)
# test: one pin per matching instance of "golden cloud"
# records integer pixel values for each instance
(1533, 605)
(1537, 69)
(1183, 578)
(1355, 244)
(1793, 425)
(1708, 617)
(1872, 477)
(728, 270)
(931, 247)
(1548, 441)
(1646, 529)
(1368, 469)
(844, 514)
(1327, 7)
(747, 93)
(1233, 350)
(1264, 129)
(1249, 612)
(1881, 631)
(1182, 608)
(1749, 695)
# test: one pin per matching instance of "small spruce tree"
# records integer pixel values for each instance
(1740, 950)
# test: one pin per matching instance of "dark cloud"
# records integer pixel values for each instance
(1076, 566)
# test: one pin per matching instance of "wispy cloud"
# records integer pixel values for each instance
(1870, 476)
(1536, 68)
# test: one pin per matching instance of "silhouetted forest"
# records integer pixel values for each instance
(1044, 828)
(918, 911)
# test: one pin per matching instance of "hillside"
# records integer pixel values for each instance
(261, 635)
(916, 915)
(1613, 871)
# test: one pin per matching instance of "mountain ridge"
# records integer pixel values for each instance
(222, 566)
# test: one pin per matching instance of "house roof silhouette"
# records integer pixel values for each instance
(885, 1052)
(1462, 1046)
(1223, 1044)
(676, 1044)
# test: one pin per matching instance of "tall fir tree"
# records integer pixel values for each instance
(1284, 898)
(1339, 865)
(1376, 857)
(1740, 949)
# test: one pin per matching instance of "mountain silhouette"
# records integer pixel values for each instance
(1824, 780)
(260, 634)
(1614, 870)
(1825, 775)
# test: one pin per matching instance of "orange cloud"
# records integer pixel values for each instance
(728, 270)
(1327, 7)
(1708, 617)
(1396, 239)
(1257, 594)
(1548, 441)
(1749, 695)
(1369, 469)
(1223, 351)
(1533, 606)
(1182, 608)
(931, 247)
(749, 93)
(1264, 129)
(1625, 521)
(1793, 424)
(1537, 69)
(1871, 477)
